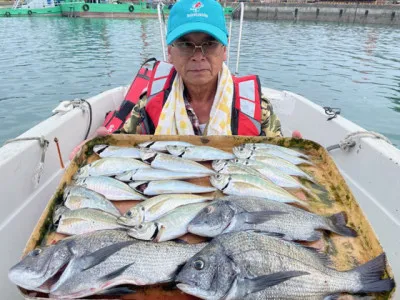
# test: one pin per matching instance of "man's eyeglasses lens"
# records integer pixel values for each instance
(189, 48)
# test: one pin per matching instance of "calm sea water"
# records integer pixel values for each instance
(46, 60)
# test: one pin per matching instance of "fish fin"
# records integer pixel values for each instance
(370, 275)
(333, 297)
(338, 225)
(321, 256)
(180, 241)
(116, 273)
(315, 236)
(158, 234)
(90, 260)
(273, 234)
(258, 217)
(116, 291)
(253, 285)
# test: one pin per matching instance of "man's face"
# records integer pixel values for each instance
(197, 68)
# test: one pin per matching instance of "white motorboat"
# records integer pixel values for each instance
(369, 164)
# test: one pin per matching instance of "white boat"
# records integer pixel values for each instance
(371, 168)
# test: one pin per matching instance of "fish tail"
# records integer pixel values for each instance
(370, 275)
(338, 225)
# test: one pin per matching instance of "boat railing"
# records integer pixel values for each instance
(163, 27)
(236, 8)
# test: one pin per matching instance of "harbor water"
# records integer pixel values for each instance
(349, 66)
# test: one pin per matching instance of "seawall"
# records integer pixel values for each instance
(339, 13)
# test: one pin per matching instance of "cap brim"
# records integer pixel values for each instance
(212, 30)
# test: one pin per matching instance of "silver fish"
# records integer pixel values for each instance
(199, 153)
(129, 262)
(155, 207)
(249, 185)
(114, 151)
(230, 214)
(76, 197)
(110, 166)
(161, 145)
(85, 220)
(36, 270)
(172, 163)
(152, 188)
(248, 265)
(110, 188)
(273, 174)
(156, 174)
(277, 163)
(169, 226)
(243, 152)
(257, 146)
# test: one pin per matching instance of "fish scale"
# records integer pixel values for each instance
(250, 185)
(254, 266)
(223, 215)
(150, 263)
(43, 263)
(110, 188)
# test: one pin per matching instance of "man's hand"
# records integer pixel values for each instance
(296, 134)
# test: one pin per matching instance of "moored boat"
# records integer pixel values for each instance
(86, 9)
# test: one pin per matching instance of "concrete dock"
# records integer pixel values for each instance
(316, 12)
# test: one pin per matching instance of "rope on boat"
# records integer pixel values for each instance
(66, 106)
(349, 141)
(40, 167)
(86, 107)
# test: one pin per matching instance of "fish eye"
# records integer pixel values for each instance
(140, 226)
(198, 264)
(129, 213)
(142, 208)
(35, 252)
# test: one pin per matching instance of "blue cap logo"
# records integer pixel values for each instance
(189, 16)
(196, 6)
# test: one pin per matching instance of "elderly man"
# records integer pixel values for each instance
(200, 96)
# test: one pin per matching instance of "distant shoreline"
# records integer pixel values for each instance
(323, 12)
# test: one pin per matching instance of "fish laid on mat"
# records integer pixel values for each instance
(83, 220)
(110, 166)
(155, 207)
(156, 174)
(130, 262)
(168, 227)
(264, 146)
(199, 153)
(243, 152)
(110, 188)
(76, 197)
(250, 185)
(277, 175)
(173, 163)
(230, 214)
(280, 164)
(161, 145)
(152, 188)
(37, 269)
(115, 151)
(248, 265)
(241, 166)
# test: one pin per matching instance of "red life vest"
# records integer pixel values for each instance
(246, 111)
